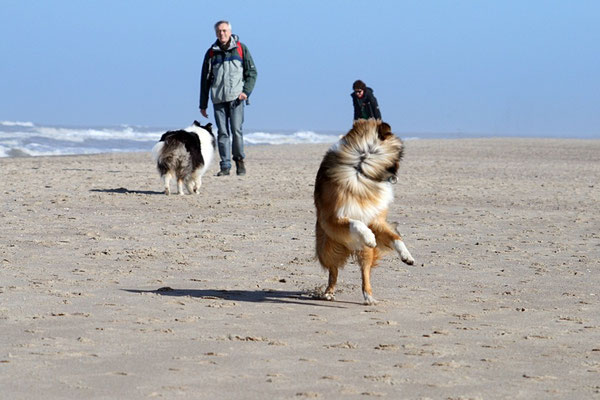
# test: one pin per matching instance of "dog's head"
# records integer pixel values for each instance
(374, 150)
(207, 127)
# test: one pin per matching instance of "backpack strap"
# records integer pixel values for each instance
(240, 51)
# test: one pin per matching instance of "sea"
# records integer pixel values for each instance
(22, 139)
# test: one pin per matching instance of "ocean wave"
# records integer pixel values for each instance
(288, 138)
(28, 139)
(80, 135)
(17, 123)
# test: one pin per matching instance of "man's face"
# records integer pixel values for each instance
(223, 33)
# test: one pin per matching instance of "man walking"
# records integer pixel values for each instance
(229, 74)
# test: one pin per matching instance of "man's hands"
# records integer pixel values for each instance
(243, 96)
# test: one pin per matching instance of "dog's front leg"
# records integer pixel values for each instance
(405, 255)
(361, 234)
(400, 247)
(391, 238)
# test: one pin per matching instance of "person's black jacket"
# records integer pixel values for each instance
(365, 107)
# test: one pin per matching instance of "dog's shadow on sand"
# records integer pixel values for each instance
(123, 190)
(248, 296)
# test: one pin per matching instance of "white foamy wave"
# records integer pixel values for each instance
(17, 123)
(80, 135)
(288, 138)
(28, 139)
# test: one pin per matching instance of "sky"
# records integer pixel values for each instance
(492, 68)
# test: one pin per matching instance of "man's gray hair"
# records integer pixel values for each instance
(222, 22)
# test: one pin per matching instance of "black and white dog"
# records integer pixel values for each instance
(186, 155)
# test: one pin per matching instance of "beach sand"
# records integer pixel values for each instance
(111, 289)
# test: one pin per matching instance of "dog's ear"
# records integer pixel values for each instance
(384, 130)
(208, 127)
(196, 123)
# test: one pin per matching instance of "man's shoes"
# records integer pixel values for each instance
(223, 172)
(240, 167)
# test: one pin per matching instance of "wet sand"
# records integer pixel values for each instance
(111, 289)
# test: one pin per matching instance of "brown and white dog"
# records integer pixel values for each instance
(353, 191)
(185, 155)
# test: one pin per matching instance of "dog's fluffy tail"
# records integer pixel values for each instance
(157, 150)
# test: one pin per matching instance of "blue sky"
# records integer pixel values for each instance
(473, 67)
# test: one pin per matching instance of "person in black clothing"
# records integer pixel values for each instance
(365, 103)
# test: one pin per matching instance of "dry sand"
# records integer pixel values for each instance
(110, 289)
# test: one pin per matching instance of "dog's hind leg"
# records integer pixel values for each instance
(367, 259)
(180, 186)
(167, 183)
(193, 182)
(332, 257)
(331, 282)
(197, 183)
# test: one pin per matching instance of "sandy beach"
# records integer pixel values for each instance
(111, 289)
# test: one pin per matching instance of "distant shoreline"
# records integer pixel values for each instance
(17, 153)
(23, 139)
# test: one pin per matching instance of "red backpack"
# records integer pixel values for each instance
(239, 49)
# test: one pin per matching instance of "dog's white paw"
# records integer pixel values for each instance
(195, 187)
(405, 255)
(360, 229)
(369, 237)
(328, 296)
(369, 300)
